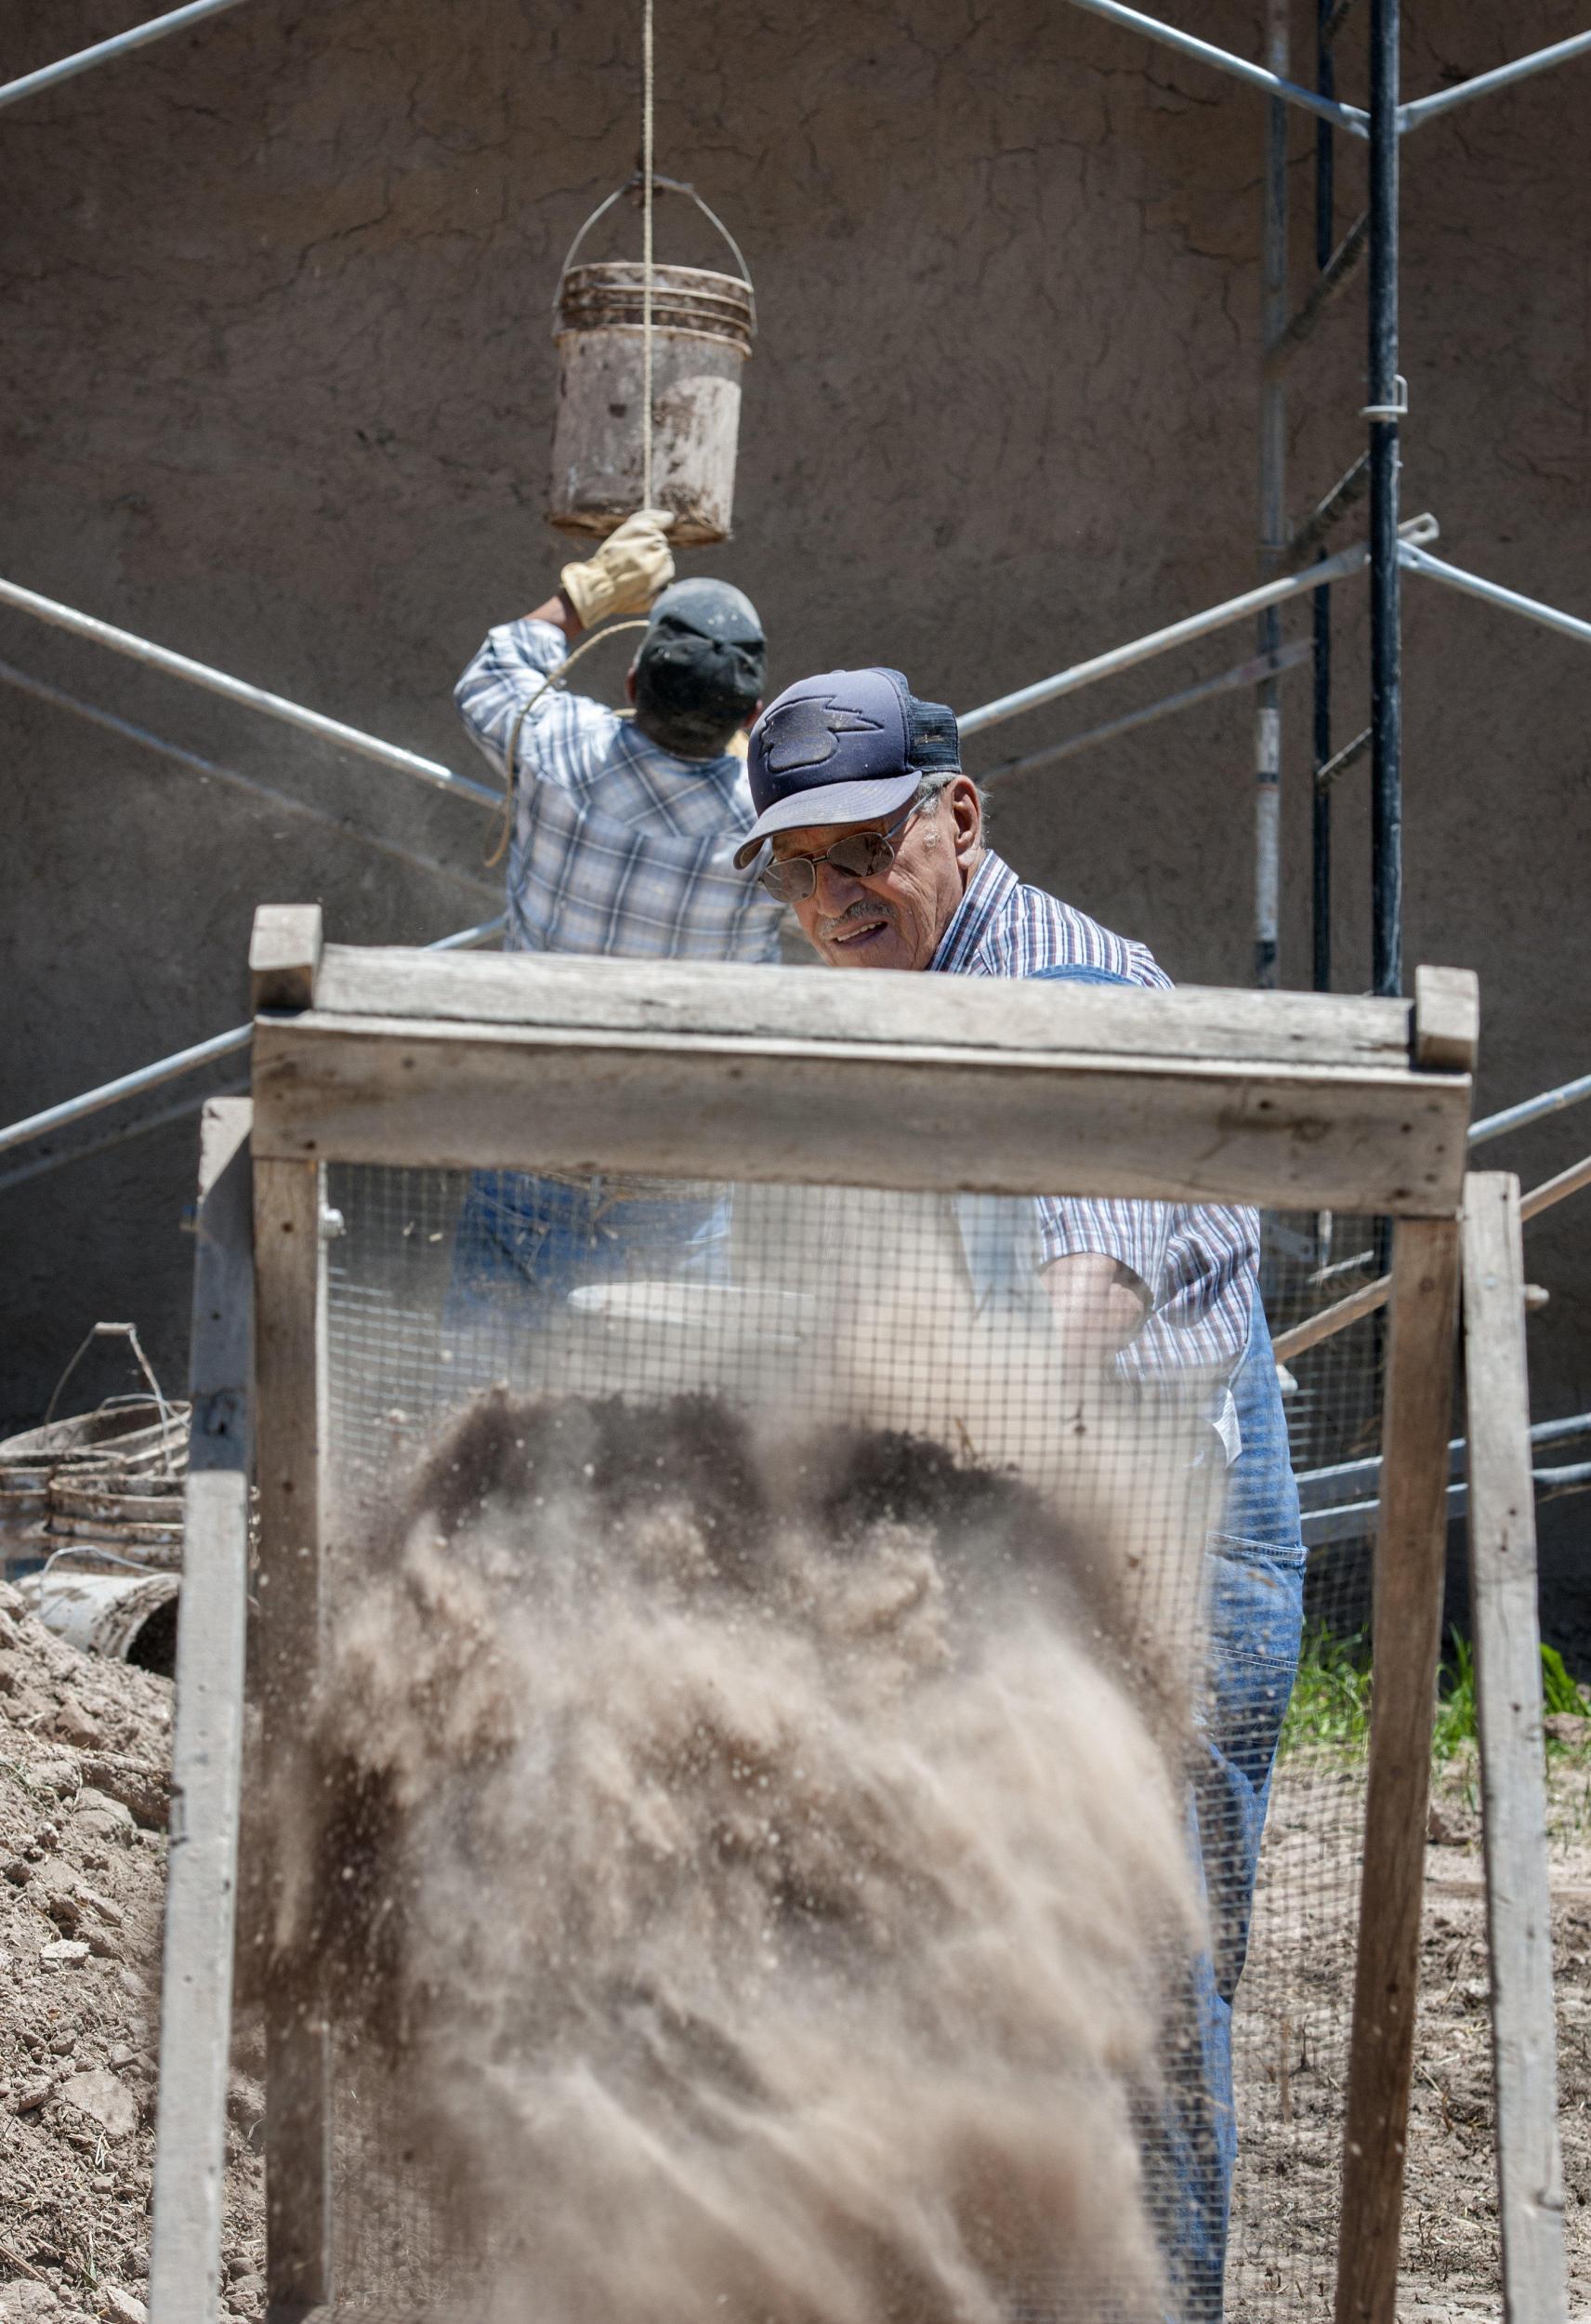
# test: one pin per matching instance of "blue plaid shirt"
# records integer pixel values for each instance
(617, 845)
(1198, 1262)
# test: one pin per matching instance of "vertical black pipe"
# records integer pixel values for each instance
(1386, 659)
(1272, 515)
(1321, 847)
(1322, 853)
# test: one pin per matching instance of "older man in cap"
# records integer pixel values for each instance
(622, 836)
(875, 841)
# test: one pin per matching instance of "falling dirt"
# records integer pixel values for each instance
(753, 1871)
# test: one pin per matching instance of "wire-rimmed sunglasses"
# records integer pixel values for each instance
(860, 854)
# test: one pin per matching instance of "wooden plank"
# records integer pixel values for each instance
(686, 998)
(457, 1095)
(1409, 1548)
(1513, 1785)
(1447, 1020)
(1552, 1190)
(196, 1991)
(290, 1372)
(284, 953)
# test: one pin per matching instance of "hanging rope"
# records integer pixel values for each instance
(554, 678)
(647, 84)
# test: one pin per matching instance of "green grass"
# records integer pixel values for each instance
(1330, 1709)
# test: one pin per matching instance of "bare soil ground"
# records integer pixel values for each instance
(83, 1748)
(1291, 2047)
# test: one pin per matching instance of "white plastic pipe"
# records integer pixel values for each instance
(237, 689)
(119, 45)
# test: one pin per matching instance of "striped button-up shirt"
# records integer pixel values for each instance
(1196, 1263)
(617, 845)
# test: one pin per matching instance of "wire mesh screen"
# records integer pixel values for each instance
(804, 1675)
(1293, 2010)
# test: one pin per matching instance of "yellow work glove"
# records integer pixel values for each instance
(627, 572)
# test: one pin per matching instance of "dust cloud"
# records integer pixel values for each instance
(757, 1867)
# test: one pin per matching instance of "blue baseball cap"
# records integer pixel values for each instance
(843, 748)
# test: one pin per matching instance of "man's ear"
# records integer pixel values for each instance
(968, 812)
(630, 684)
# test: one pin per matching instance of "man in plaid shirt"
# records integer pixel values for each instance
(876, 844)
(621, 840)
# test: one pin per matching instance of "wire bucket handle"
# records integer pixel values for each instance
(664, 185)
(129, 1332)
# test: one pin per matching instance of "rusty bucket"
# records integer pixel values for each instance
(703, 325)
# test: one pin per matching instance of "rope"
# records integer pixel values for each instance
(647, 91)
(554, 678)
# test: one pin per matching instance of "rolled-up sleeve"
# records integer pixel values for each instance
(510, 674)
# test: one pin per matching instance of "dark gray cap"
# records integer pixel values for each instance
(709, 609)
(703, 659)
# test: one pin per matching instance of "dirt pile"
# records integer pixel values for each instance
(84, 1748)
(753, 1871)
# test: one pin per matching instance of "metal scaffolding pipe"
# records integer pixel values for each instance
(142, 1126)
(187, 1061)
(1310, 536)
(119, 45)
(1346, 494)
(281, 802)
(1530, 1110)
(237, 689)
(1318, 1488)
(1203, 52)
(1339, 763)
(1347, 561)
(1272, 517)
(1247, 673)
(172, 1068)
(1145, 649)
(1386, 396)
(1424, 109)
(1372, 1296)
(1337, 269)
(1492, 593)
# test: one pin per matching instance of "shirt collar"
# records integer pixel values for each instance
(986, 891)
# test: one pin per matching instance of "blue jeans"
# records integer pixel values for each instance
(523, 1242)
(1255, 1567)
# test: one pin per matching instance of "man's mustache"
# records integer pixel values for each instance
(871, 908)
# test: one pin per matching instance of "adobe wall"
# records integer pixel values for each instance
(276, 389)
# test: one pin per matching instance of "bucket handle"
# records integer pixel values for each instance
(129, 1332)
(667, 185)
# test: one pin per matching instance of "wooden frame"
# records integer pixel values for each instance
(525, 1060)
(206, 1761)
(1301, 1102)
(1508, 1699)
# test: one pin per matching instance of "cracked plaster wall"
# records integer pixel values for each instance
(276, 386)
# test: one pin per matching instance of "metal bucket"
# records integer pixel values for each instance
(703, 325)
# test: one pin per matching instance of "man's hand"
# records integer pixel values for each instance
(1097, 1304)
(627, 573)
